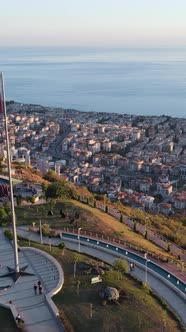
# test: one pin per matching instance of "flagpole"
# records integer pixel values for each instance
(10, 180)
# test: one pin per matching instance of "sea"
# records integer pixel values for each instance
(140, 81)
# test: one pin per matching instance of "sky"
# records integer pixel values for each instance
(89, 23)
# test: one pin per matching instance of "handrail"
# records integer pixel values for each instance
(129, 255)
(101, 206)
(138, 248)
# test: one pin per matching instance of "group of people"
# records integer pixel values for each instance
(38, 286)
(19, 319)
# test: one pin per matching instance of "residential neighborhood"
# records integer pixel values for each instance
(138, 160)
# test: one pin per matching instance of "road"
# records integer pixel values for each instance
(55, 148)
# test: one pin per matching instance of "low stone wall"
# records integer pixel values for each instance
(48, 296)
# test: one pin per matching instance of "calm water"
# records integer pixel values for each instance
(135, 81)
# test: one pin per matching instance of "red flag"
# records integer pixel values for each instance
(1, 92)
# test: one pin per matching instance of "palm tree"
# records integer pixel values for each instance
(62, 246)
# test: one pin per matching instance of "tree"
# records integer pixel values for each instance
(44, 188)
(51, 204)
(45, 229)
(62, 246)
(106, 208)
(51, 176)
(120, 265)
(19, 200)
(158, 198)
(8, 233)
(30, 199)
(146, 234)
(3, 215)
(7, 207)
(59, 189)
(168, 247)
(135, 226)
(1, 160)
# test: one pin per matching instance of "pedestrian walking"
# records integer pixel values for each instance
(39, 283)
(40, 289)
(35, 288)
(19, 319)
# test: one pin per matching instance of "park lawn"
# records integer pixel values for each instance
(137, 311)
(7, 322)
(90, 219)
(114, 228)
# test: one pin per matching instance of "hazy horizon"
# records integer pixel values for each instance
(105, 23)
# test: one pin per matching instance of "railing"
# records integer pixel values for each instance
(119, 215)
(164, 274)
(159, 257)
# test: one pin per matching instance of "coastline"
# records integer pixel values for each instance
(30, 107)
(125, 81)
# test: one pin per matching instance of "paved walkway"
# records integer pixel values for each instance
(171, 267)
(38, 311)
(175, 301)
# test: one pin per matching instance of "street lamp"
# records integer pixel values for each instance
(146, 218)
(30, 235)
(40, 231)
(75, 268)
(79, 229)
(49, 242)
(146, 270)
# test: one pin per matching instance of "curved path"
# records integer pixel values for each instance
(167, 287)
(163, 273)
(37, 310)
(166, 284)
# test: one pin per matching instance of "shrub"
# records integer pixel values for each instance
(60, 189)
(3, 215)
(8, 233)
(135, 226)
(45, 229)
(168, 247)
(121, 265)
(145, 234)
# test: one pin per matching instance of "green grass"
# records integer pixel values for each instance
(138, 311)
(90, 219)
(7, 322)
